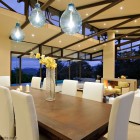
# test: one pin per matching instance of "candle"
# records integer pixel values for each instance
(27, 88)
(20, 87)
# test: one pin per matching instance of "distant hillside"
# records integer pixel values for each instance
(30, 71)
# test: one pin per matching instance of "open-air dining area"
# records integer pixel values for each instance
(70, 70)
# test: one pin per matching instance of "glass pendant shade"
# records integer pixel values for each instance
(17, 34)
(70, 21)
(37, 18)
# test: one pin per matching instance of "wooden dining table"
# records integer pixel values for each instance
(70, 117)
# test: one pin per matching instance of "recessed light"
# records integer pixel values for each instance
(118, 48)
(135, 21)
(117, 31)
(79, 45)
(60, 41)
(104, 24)
(94, 49)
(86, 14)
(121, 8)
(33, 35)
(126, 36)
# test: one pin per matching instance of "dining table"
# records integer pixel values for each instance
(70, 117)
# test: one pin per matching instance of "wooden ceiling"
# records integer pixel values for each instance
(117, 15)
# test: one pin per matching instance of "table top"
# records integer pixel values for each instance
(70, 117)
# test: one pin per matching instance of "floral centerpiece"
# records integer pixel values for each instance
(50, 65)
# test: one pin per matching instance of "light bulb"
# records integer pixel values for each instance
(17, 34)
(70, 21)
(37, 18)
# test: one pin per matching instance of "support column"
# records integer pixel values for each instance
(109, 57)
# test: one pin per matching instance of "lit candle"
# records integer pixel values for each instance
(20, 87)
(27, 88)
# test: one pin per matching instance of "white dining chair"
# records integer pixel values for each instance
(5, 81)
(25, 117)
(135, 110)
(93, 91)
(35, 83)
(69, 87)
(119, 117)
(6, 114)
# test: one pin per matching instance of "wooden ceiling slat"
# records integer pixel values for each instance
(102, 10)
(118, 37)
(113, 18)
(131, 41)
(99, 33)
(94, 4)
(41, 44)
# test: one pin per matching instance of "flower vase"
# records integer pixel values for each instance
(50, 84)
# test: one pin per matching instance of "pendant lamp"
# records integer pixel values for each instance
(17, 34)
(70, 20)
(37, 18)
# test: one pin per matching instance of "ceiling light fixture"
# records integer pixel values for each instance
(33, 35)
(17, 34)
(70, 20)
(121, 8)
(37, 18)
(60, 41)
(104, 24)
(86, 14)
(117, 31)
(135, 21)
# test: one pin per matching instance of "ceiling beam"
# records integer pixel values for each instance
(113, 18)
(94, 4)
(98, 33)
(27, 22)
(7, 6)
(131, 41)
(118, 37)
(43, 7)
(131, 47)
(41, 44)
(103, 9)
(138, 34)
(126, 28)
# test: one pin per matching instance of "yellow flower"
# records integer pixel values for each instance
(49, 62)
(38, 56)
(42, 56)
